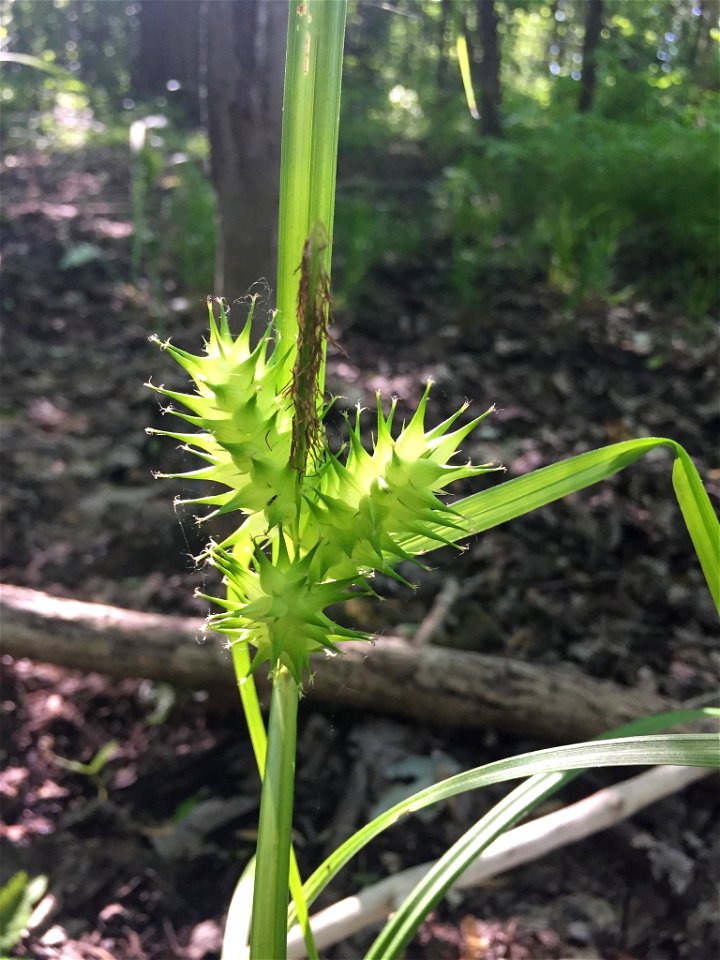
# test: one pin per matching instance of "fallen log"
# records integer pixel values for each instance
(433, 685)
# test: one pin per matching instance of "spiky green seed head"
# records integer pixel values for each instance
(279, 608)
(363, 507)
(244, 421)
(330, 523)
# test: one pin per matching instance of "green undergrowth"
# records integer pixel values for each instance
(623, 209)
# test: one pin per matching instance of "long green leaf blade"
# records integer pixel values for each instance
(699, 518)
(513, 499)
(464, 62)
(433, 886)
(693, 749)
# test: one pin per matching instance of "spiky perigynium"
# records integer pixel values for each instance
(330, 525)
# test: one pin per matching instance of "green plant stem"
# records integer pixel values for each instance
(268, 935)
(250, 704)
(258, 738)
(308, 161)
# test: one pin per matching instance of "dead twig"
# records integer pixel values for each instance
(438, 613)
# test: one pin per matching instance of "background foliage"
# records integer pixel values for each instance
(611, 202)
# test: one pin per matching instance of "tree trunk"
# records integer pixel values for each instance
(442, 34)
(433, 685)
(588, 79)
(489, 69)
(169, 50)
(245, 69)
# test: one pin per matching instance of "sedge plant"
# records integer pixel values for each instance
(314, 526)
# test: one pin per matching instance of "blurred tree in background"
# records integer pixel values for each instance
(592, 167)
(588, 76)
(245, 64)
(488, 72)
(169, 53)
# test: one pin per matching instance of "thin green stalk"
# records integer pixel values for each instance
(308, 161)
(250, 704)
(258, 738)
(268, 934)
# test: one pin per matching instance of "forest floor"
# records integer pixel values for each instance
(142, 858)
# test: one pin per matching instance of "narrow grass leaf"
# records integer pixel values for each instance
(434, 885)
(490, 508)
(699, 518)
(308, 160)
(17, 899)
(237, 925)
(696, 749)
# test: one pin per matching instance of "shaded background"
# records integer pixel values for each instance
(557, 256)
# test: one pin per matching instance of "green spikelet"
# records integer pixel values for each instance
(244, 425)
(364, 506)
(278, 607)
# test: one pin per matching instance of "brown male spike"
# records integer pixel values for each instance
(313, 313)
